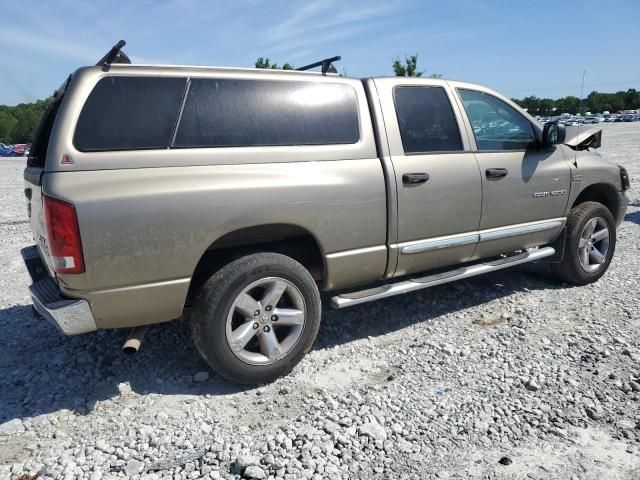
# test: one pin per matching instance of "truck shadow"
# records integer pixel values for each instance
(42, 372)
(633, 217)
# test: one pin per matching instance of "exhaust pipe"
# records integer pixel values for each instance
(134, 340)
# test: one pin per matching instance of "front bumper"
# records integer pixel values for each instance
(71, 316)
(623, 203)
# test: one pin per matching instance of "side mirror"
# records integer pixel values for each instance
(553, 134)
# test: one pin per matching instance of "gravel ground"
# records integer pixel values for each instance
(507, 376)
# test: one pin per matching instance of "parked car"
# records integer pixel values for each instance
(619, 118)
(610, 118)
(629, 117)
(254, 190)
(590, 120)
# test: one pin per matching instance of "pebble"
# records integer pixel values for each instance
(373, 430)
(12, 426)
(201, 377)
(253, 471)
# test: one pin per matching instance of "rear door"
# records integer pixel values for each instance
(525, 187)
(437, 178)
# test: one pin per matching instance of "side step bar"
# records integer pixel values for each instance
(363, 296)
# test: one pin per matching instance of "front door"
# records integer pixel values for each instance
(437, 177)
(525, 187)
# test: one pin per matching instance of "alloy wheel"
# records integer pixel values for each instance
(265, 321)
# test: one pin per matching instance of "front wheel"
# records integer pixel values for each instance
(256, 318)
(591, 241)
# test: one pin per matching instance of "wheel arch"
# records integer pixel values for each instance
(603, 193)
(288, 239)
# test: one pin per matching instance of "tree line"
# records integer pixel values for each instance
(595, 102)
(18, 124)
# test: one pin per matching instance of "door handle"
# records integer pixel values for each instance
(414, 178)
(496, 173)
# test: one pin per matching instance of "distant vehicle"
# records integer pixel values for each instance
(619, 118)
(18, 150)
(629, 117)
(611, 117)
(21, 148)
(590, 120)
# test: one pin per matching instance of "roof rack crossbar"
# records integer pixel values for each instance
(326, 64)
(115, 55)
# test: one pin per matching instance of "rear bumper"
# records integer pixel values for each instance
(71, 316)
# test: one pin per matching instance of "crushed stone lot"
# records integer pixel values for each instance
(507, 376)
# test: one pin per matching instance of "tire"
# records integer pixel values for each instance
(572, 269)
(229, 310)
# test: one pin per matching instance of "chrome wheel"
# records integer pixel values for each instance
(265, 321)
(594, 244)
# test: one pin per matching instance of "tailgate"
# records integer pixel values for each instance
(33, 193)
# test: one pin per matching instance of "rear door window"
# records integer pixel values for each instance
(245, 113)
(426, 120)
(130, 113)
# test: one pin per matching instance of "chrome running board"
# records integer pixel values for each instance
(405, 286)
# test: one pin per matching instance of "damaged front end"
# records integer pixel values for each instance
(583, 138)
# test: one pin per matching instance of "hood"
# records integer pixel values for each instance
(581, 137)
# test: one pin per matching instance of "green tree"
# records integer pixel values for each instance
(19, 124)
(410, 68)
(263, 62)
(7, 125)
(407, 69)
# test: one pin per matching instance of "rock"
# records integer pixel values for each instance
(133, 467)
(12, 426)
(124, 388)
(253, 471)
(373, 430)
(505, 461)
(244, 461)
(532, 385)
(331, 427)
(635, 386)
(201, 377)
(307, 431)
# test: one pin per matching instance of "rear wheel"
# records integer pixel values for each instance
(591, 242)
(256, 318)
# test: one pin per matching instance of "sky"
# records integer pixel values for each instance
(518, 48)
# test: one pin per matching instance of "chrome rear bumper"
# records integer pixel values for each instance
(71, 316)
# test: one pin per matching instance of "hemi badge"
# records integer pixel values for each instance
(66, 160)
(577, 178)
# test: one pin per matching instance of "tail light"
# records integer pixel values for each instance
(63, 236)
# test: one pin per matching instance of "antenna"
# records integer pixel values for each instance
(575, 155)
